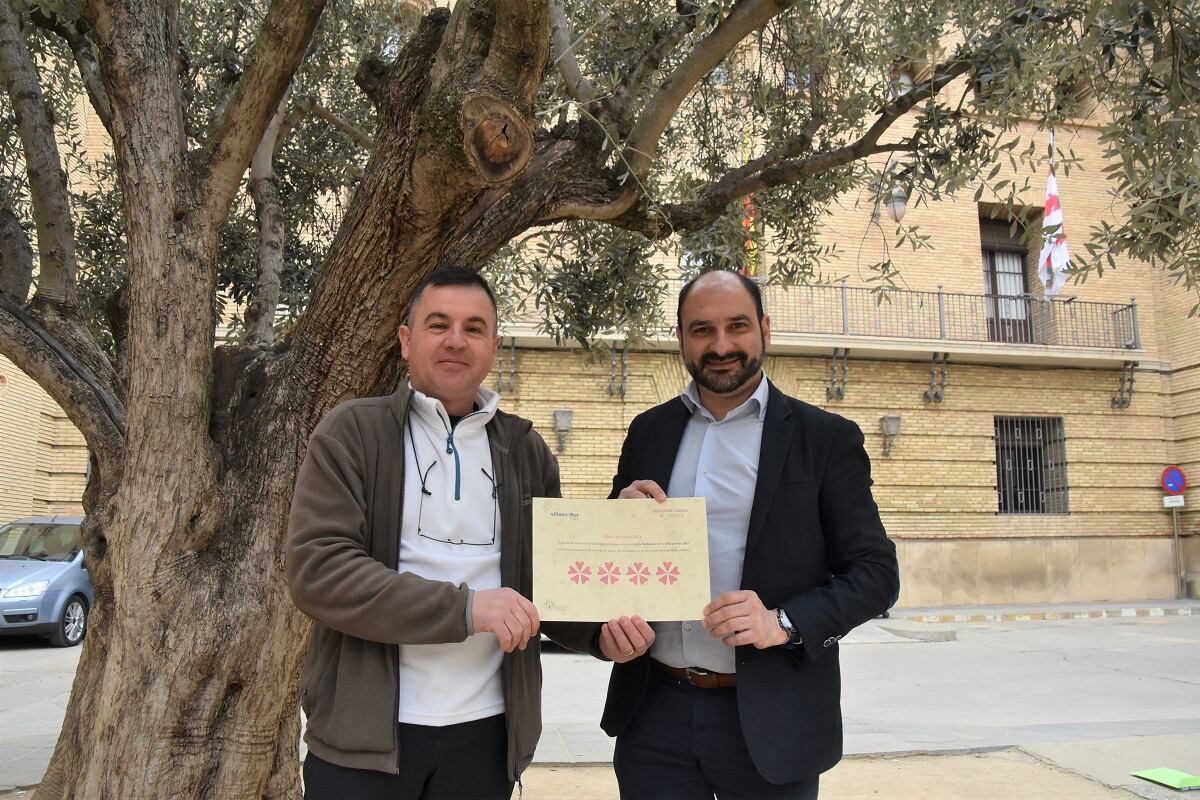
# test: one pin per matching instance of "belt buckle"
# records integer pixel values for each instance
(696, 672)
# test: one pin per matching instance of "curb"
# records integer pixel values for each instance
(921, 635)
(887, 755)
(1029, 616)
(871, 756)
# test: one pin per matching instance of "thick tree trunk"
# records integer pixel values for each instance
(187, 687)
(187, 683)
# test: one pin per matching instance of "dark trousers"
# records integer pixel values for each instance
(468, 761)
(686, 743)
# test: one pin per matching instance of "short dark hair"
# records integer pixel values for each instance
(451, 276)
(749, 285)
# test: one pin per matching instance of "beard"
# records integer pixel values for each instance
(730, 382)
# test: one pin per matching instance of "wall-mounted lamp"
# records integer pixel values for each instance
(562, 426)
(890, 425)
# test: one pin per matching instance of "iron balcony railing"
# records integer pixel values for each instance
(852, 311)
(843, 310)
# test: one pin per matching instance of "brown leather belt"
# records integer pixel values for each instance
(700, 678)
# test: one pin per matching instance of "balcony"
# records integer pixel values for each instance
(913, 324)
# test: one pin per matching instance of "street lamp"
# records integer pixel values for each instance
(895, 200)
(896, 203)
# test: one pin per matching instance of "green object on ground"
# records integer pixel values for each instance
(1169, 777)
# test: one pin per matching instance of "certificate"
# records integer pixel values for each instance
(594, 560)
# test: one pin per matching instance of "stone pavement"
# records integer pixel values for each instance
(1000, 775)
(997, 775)
(35, 685)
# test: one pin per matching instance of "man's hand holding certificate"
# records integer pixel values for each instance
(595, 560)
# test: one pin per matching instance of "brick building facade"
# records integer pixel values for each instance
(1033, 478)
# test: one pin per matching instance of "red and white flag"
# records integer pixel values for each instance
(1055, 259)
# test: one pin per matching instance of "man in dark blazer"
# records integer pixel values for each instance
(744, 701)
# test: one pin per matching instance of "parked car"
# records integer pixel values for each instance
(44, 587)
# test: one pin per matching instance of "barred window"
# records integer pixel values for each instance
(1031, 465)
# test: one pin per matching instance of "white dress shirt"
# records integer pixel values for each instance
(717, 460)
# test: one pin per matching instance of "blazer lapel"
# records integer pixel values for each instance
(776, 441)
(660, 456)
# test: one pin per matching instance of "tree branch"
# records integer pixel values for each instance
(365, 140)
(518, 50)
(371, 76)
(775, 168)
(286, 125)
(260, 312)
(780, 166)
(664, 42)
(345, 332)
(746, 17)
(276, 55)
(16, 258)
(47, 181)
(558, 168)
(578, 87)
(74, 33)
(116, 314)
(92, 402)
(662, 221)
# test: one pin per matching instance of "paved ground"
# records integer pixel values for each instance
(1085, 700)
(1006, 775)
(35, 684)
(986, 776)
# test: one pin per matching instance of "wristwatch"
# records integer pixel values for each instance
(782, 618)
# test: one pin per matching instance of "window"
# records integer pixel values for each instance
(1004, 281)
(1031, 465)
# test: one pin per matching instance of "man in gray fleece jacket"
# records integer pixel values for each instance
(409, 544)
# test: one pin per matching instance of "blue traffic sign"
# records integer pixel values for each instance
(1173, 480)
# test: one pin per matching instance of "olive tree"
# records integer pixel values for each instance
(314, 159)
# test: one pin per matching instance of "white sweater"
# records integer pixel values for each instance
(450, 532)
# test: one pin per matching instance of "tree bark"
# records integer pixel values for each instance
(16, 258)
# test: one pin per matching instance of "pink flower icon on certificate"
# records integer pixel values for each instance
(609, 573)
(668, 573)
(579, 572)
(638, 573)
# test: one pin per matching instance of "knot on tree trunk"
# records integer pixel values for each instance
(496, 138)
(492, 139)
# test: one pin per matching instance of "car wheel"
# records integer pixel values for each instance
(72, 625)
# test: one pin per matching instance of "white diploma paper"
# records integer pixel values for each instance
(594, 560)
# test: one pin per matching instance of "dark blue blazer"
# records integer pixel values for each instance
(815, 546)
